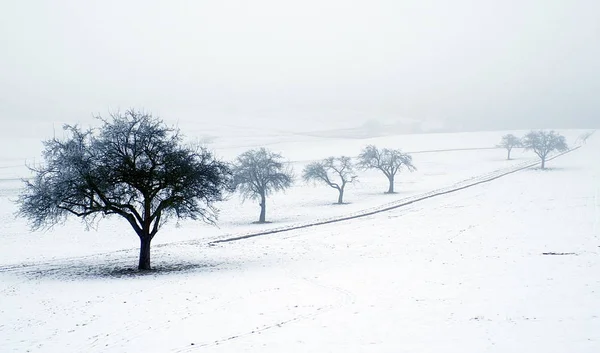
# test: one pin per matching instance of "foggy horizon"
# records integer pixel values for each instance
(470, 65)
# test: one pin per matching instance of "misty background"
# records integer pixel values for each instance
(303, 65)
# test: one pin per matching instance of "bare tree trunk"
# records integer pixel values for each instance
(263, 209)
(543, 162)
(509, 150)
(144, 263)
(341, 196)
(391, 188)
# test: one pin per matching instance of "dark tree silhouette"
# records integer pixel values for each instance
(388, 161)
(340, 168)
(543, 143)
(509, 142)
(133, 166)
(258, 173)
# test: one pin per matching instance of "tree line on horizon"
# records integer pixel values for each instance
(138, 168)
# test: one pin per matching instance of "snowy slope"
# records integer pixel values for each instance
(465, 272)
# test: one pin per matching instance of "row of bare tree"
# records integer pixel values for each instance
(541, 142)
(260, 172)
(136, 167)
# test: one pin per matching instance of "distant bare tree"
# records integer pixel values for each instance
(509, 142)
(388, 161)
(325, 171)
(543, 143)
(585, 136)
(258, 173)
(135, 167)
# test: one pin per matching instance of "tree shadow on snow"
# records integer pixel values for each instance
(555, 169)
(503, 159)
(76, 270)
(399, 193)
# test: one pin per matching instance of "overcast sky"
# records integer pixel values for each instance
(488, 64)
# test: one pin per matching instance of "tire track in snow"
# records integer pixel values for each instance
(138, 328)
(194, 347)
(347, 297)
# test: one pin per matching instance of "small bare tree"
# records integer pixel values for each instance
(258, 173)
(509, 142)
(132, 166)
(388, 161)
(585, 136)
(543, 143)
(325, 171)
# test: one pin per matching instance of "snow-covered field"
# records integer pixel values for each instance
(463, 272)
(300, 204)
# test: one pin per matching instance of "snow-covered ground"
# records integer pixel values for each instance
(300, 204)
(463, 272)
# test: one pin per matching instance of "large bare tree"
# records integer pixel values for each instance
(260, 172)
(388, 161)
(133, 166)
(543, 143)
(335, 172)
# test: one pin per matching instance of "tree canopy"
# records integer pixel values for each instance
(335, 172)
(543, 143)
(388, 161)
(133, 166)
(260, 172)
(508, 142)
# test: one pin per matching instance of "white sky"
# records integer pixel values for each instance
(506, 64)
